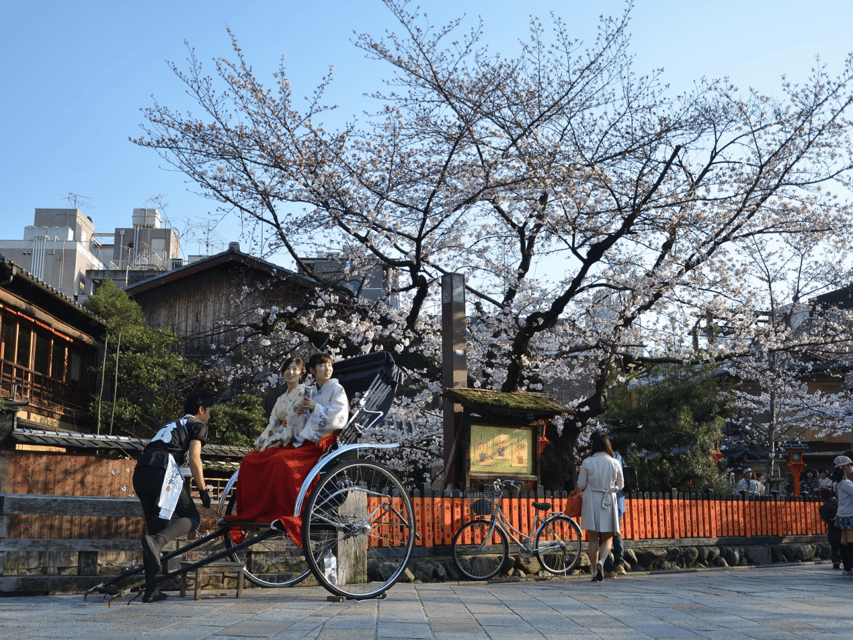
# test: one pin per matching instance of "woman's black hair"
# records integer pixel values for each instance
(600, 442)
(319, 358)
(298, 361)
(293, 360)
(837, 475)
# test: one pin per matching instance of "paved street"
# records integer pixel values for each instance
(775, 603)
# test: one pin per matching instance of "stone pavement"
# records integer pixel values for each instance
(770, 602)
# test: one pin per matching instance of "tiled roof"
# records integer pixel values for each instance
(231, 255)
(130, 446)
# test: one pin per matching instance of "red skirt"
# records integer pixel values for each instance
(270, 480)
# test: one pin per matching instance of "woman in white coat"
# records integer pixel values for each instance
(600, 479)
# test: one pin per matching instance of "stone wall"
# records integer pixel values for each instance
(645, 556)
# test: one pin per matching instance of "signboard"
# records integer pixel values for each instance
(501, 451)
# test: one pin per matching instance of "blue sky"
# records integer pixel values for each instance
(75, 74)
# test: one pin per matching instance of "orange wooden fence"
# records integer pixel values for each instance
(647, 516)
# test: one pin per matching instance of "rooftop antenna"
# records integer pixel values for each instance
(75, 200)
(159, 203)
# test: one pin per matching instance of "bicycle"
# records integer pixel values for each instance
(481, 547)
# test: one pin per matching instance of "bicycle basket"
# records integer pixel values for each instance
(483, 503)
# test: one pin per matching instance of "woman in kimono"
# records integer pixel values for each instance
(270, 479)
(326, 407)
(600, 479)
(285, 418)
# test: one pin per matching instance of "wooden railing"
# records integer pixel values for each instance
(647, 516)
(23, 384)
(63, 531)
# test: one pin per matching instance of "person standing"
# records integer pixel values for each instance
(759, 480)
(789, 486)
(809, 484)
(748, 483)
(844, 515)
(600, 479)
(164, 494)
(613, 562)
(828, 510)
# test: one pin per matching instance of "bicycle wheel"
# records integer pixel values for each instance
(478, 555)
(274, 562)
(558, 544)
(360, 512)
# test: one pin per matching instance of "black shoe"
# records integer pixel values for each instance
(154, 596)
(150, 556)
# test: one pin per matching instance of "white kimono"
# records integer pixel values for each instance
(330, 414)
(600, 479)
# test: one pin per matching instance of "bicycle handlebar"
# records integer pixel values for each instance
(498, 483)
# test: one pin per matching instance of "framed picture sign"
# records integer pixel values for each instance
(505, 451)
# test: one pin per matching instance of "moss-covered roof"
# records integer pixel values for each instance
(514, 402)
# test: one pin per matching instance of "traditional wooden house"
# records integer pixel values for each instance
(821, 445)
(48, 351)
(816, 445)
(199, 301)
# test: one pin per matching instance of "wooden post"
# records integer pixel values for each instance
(454, 372)
(352, 552)
(87, 563)
(7, 425)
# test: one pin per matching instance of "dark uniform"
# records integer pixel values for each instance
(827, 512)
(174, 438)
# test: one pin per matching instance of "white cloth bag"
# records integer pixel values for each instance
(173, 483)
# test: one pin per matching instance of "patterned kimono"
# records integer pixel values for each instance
(284, 420)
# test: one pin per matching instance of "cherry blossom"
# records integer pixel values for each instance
(598, 217)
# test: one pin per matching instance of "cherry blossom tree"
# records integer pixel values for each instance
(796, 346)
(596, 216)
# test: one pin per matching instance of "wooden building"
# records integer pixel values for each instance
(48, 351)
(39, 462)
(199, 301)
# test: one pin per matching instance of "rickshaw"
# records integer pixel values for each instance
(355, 511)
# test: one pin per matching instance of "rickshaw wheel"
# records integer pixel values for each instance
(360, 512)
(275, 562)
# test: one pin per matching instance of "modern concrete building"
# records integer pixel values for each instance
(369, 283)
(62, 249)
(58, 248)
(137, 253)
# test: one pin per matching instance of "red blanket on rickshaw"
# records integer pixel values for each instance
(270, 480)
